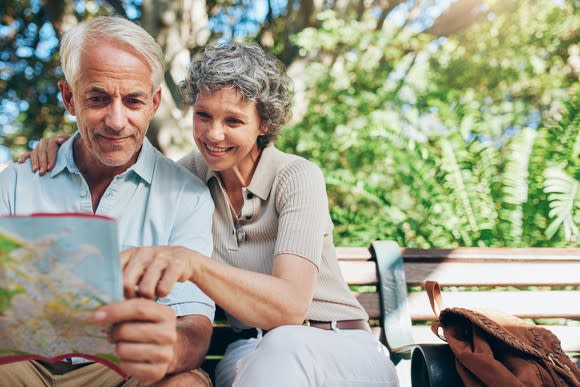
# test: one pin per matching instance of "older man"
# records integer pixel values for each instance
(113, 70)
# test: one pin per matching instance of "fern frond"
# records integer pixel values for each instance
(456, 181)
(516, 181)
(564, 197)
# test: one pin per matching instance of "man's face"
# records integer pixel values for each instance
(113, 101)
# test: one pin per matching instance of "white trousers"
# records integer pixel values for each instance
(299, 356)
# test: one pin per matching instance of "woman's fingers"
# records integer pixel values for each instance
(152, 272)
(43, 156)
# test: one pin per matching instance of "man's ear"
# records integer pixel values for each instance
(156, 101)
(67, 96)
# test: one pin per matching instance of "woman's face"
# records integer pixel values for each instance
(225, 129)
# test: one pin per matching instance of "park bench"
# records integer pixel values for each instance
(542, 284)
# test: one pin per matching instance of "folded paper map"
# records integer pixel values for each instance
(55, 269)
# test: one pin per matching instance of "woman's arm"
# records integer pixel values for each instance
(43, 156)
(260, 300)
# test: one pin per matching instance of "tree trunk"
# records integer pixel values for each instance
(180, 29)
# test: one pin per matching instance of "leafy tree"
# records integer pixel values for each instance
(447, 142)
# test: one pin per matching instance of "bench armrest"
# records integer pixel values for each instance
(392, 284)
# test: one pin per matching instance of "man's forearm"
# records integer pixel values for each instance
(193, 337)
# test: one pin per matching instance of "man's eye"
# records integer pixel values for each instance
(98, 99)
(202, 115)
(134, 101)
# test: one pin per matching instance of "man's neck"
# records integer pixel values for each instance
(97, 175)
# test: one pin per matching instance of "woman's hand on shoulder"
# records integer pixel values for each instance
(43, 156)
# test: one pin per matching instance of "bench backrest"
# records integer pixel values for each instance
(542, 284)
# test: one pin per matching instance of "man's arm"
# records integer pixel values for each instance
(193, 338)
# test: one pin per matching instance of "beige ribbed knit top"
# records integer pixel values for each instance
(285, 210)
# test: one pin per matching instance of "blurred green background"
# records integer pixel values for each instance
(436, 123)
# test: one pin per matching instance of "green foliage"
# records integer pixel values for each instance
(562, 174)
(447, 142)
(29, 74)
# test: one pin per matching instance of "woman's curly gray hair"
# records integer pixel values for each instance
(256, 75)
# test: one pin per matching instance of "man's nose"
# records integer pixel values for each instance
(116, 115)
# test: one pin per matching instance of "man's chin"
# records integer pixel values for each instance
(117, 161)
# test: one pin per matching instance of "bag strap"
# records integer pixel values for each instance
(437, 305)
(434, 293)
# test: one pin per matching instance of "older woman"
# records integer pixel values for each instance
(273, 269)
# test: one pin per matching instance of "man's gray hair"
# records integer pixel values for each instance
(109, 29)
(256, 75)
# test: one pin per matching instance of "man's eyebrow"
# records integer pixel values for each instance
(95, 89)
(100, 90)
(138, 94)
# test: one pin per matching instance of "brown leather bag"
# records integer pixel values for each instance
(492, 348)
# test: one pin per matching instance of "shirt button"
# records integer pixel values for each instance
(248, 217)
(83, 194)
(250, 195)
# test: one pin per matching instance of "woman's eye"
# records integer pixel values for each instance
(234, 121)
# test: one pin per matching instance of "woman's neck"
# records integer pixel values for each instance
(240, 176)
(235, 180)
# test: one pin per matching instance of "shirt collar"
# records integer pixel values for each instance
(264, 175)
(144, 167)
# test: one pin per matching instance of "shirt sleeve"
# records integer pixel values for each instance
(7, 190)
(302, 205)
(192, 229)
(187, 299)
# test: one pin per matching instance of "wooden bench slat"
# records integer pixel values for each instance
(359, 273)
(531, 304)
(471, 274)
(490, 254)
(371, 303)
(353, 253)
(470, 254)
(545, 304)
(483, 274)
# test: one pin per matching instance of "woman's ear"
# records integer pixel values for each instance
(67, 96)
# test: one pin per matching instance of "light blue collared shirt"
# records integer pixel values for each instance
(155, 202)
